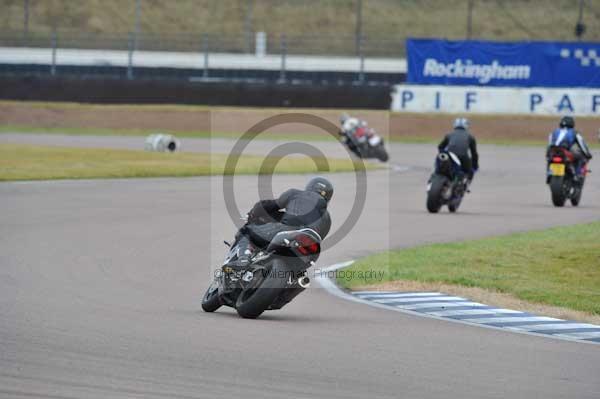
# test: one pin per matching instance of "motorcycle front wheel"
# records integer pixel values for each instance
(381, 154)
(576, 198)
(453, 206)
(211, 300)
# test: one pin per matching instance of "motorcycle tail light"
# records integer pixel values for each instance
(557, 159)
(306, 245)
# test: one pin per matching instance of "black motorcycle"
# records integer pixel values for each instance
(566, 182)
(372, 147)
(448, 183)
(275, 276)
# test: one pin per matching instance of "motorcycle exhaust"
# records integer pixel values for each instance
(304, 282)
(442, 156)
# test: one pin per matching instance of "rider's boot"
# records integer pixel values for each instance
(467, 181)
(245, 249)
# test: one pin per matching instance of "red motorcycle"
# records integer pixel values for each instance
(565, 178)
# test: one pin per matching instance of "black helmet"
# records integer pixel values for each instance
(322, 186)
(567, 121)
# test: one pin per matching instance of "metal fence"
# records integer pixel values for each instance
(301, 59)
(368, 46)
(194, 60)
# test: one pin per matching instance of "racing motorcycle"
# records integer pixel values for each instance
(365, 143)
(566, 182)
(274, 277)
(448, 183)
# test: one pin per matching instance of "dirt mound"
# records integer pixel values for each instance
(239, 120)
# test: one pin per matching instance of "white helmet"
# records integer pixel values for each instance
(461, 123)
(350, 124)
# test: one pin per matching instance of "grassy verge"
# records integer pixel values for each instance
(28, 162)
(557, 267)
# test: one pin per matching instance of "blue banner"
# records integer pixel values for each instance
(514, 64)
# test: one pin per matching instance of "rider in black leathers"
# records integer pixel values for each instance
(302, 209)
(461, 142)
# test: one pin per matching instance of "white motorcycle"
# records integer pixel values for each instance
(364, 142)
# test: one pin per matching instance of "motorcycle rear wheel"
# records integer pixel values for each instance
(262, 291)
(434, 195)
(558, 191)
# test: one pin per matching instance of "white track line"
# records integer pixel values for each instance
(580, 335)
(561, 326)
(509, 319)
(441, 305)
(398, 295)
(427, 299)
(473, 312)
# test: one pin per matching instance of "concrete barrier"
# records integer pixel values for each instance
(140, 91)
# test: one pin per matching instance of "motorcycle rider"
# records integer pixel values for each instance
(567, 137)
(357, 128)
(461, 143)
(302, 209)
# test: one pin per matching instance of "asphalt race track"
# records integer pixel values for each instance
(101, 281)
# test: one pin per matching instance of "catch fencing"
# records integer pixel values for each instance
(206, 58)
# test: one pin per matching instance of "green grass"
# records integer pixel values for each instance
(28, 162)
(558, 266)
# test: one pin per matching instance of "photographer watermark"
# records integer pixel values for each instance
(366, 276)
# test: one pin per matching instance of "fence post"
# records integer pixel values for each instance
(260, 49)
(248, 26)
(361, 74)
(580, 26)
(54, 46)
(131, 45)
(136, 26)
(205, 51)
(470, 19)
(283, 59)
(359, 22)
(26, 21)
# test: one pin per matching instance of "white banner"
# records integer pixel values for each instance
(495, 100)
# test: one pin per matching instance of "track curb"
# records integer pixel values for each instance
(321, 275)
